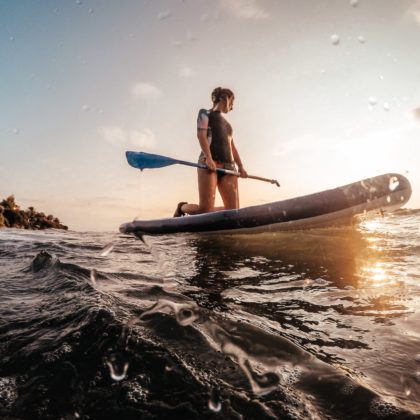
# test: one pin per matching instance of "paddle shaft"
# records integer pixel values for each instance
(227, 171)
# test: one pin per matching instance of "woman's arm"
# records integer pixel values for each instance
(238, 161)
(202, 138)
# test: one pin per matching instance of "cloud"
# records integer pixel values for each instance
(118, 136)
(244, 9)
(186, 72)
(413, 11)
(146, 90)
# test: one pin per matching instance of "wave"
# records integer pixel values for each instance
(264, 326)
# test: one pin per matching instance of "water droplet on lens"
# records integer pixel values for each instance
(386, 106)
(85, 108)
(16, 131)
(393, 183)
(79, 2)
(417, 358)
(407, 392)
(214, 401)
(117, 371)
(388, 199)
(417, 374)
(335, 39)
(361, 39)
(216, 407)
(372, 100)
(90, 11)
(354, 3)
(12, 38)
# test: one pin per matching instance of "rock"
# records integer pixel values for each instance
(2, 220)
(11, 215)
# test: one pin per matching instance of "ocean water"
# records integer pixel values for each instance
(319, 324)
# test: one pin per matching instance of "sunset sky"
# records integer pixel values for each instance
(327, 93)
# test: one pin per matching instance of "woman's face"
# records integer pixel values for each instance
(228, 104)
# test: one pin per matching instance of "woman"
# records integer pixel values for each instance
(217, 151)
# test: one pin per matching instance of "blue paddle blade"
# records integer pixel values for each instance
(141, 160)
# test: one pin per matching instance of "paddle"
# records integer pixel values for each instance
(142, 160)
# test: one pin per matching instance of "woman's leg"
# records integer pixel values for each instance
(228, 189)
(207, 182)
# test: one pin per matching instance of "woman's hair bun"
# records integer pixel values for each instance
(221, 93)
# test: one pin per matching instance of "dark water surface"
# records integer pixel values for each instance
(321, 324)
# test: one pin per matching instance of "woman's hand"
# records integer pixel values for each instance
(211, 165)
(243, 173)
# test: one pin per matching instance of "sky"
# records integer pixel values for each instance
(327, 93)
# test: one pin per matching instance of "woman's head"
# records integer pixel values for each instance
(223, 98)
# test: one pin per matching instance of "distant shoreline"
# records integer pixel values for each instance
(11, 215)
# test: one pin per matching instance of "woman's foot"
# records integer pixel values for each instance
(178, 211)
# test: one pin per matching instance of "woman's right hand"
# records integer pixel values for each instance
(211, 165)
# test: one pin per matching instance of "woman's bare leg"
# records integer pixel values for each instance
(228, 189)
(207, 182)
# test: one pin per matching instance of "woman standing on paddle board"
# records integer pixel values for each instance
(218, 150)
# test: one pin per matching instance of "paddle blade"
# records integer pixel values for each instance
(142, 160)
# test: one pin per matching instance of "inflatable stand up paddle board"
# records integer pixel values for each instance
(384, 193)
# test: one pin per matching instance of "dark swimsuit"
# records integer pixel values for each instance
(218, 132)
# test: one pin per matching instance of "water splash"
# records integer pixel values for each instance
(93, 276)
(162, 262)
(107, 249)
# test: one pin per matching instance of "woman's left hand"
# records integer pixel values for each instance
(243, 173)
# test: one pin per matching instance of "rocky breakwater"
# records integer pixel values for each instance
(11, 215)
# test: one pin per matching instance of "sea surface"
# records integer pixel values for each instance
(314, 324)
